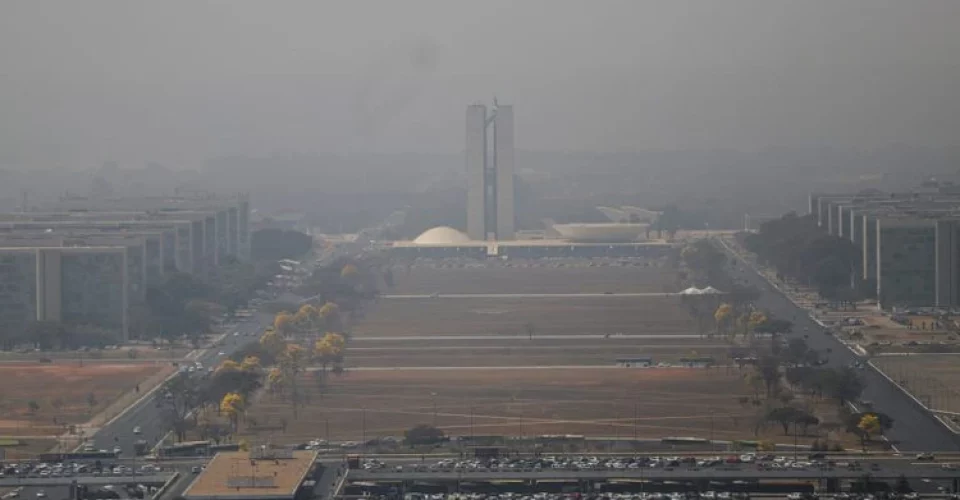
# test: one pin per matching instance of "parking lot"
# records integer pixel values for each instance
(592, 463)
(76, 469)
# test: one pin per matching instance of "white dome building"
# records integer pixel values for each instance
(442, 236)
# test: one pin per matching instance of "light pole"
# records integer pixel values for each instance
(363, 430)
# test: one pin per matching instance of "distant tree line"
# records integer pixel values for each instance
(276, 244)
(798, 248)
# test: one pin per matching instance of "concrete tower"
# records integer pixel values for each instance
(476, 157)
(490, 170)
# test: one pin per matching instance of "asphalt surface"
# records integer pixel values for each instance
(675, 473)
(527, 295)
(145, 414)
(91, 480)
(914, 428)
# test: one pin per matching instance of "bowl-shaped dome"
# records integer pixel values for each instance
(611, 232)
(442, 235)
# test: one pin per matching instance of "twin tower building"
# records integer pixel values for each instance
(489, 163)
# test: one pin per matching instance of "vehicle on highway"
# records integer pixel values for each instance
(137, 430)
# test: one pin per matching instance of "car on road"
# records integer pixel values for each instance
(925, 456)
(41, 494)
(136, 430)
(195, 469)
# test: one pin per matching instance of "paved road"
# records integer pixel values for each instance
(573, 347)
(525, 338)
(914, 428)
(144, 413)
(528, 295)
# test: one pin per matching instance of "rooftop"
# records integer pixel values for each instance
(235, 475)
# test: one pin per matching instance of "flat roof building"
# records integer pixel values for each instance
(86, 262)
(240, 475)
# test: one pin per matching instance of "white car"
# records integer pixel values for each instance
(136, 430)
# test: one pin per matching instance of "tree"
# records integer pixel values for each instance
(768, 367)
(330, 314)
(797, 351)
(273, 343)
(231, 406)
(853, 420)
(175, 399)
(805, 420)
(749, 321)
(33, 407)
(291, 364)
(423, 435)
(283, 322)
(723, 316)
(307, 318)
(843, 384)
(228, 365)
(902, 486)
(349, 272)
(277, 244)
(774, 326)
(869, 424)
(329, 349)
(275, 381)
(251, 364)
(91, 400)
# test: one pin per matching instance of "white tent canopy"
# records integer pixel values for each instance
(704, 291)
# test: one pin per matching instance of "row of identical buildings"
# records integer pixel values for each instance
(909, 242)
(88, 262)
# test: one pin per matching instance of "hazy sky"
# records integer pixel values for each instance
(183, 80)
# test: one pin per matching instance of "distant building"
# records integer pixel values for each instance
(87, 262)
(77, 285)
(490, 171)
(256, 475)
(907, 242)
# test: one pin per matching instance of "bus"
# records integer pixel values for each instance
(186, 449)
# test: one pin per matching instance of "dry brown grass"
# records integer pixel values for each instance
(70, 383)
(612, 402)
(497, 279)
(932, 378)
(507, 316)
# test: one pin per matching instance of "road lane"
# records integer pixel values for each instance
(914, 428)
